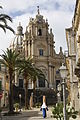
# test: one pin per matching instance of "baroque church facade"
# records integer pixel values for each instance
(38, 43)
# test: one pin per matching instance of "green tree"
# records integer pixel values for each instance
(36, 73)
(9, 59)
(29, 71)
(25, 69)
(3, 22)
(57, 112)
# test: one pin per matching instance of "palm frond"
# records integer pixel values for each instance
(9, 28)
(4, 21)
(3, 62)
(9, 58)
(4, 16)
(1, 7)
(2, 27)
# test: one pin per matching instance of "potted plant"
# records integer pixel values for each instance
(16, 106)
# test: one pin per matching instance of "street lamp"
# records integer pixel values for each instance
(63, 72)
(58, 94)
(20, 100)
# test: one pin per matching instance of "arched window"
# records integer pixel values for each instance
(41, 81)
(39, 32)
(40, 52)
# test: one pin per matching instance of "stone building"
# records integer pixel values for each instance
(38, 43)
(73, 42)
(3, 86)
(71, 64)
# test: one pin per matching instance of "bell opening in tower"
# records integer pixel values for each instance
(39, 32)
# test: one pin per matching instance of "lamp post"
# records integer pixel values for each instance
(63, 72)
(58, 94)
(20, 100)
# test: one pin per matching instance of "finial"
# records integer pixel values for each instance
(19, 23)
(38, 10)
(50, 30)
(60, 49)
(46, 20)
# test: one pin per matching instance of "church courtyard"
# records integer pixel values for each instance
(34, 114)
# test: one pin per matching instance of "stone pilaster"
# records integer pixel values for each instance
(29, 48)
(50, 76)
(32, 48)
(16, 78)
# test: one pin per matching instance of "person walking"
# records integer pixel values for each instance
(44, 108)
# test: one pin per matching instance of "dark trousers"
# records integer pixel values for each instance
(44, 112)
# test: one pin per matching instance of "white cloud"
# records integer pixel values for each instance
(20, 5)
(58, 19)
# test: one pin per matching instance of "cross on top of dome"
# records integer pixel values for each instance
(19, 23)
(38, 10)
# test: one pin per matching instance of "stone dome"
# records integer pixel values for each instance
(18, 39)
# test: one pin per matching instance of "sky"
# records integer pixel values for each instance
(58, 12)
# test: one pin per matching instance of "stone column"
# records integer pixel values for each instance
(32, 85)
(29, 48)
(26, 49)
(54, 85)
(49, 49)
(50, 76)
(32, 48)
(53, 75)
(76, 100)
(16, 78)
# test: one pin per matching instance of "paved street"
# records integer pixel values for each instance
(34, 114)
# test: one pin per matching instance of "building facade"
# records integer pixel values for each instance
(71, 63)
(73, 42)
(3, 86)
(38, 43)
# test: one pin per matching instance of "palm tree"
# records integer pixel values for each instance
(25, 69)
(37, 73)
(9, 59)
(28, 71)
(3, 22)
